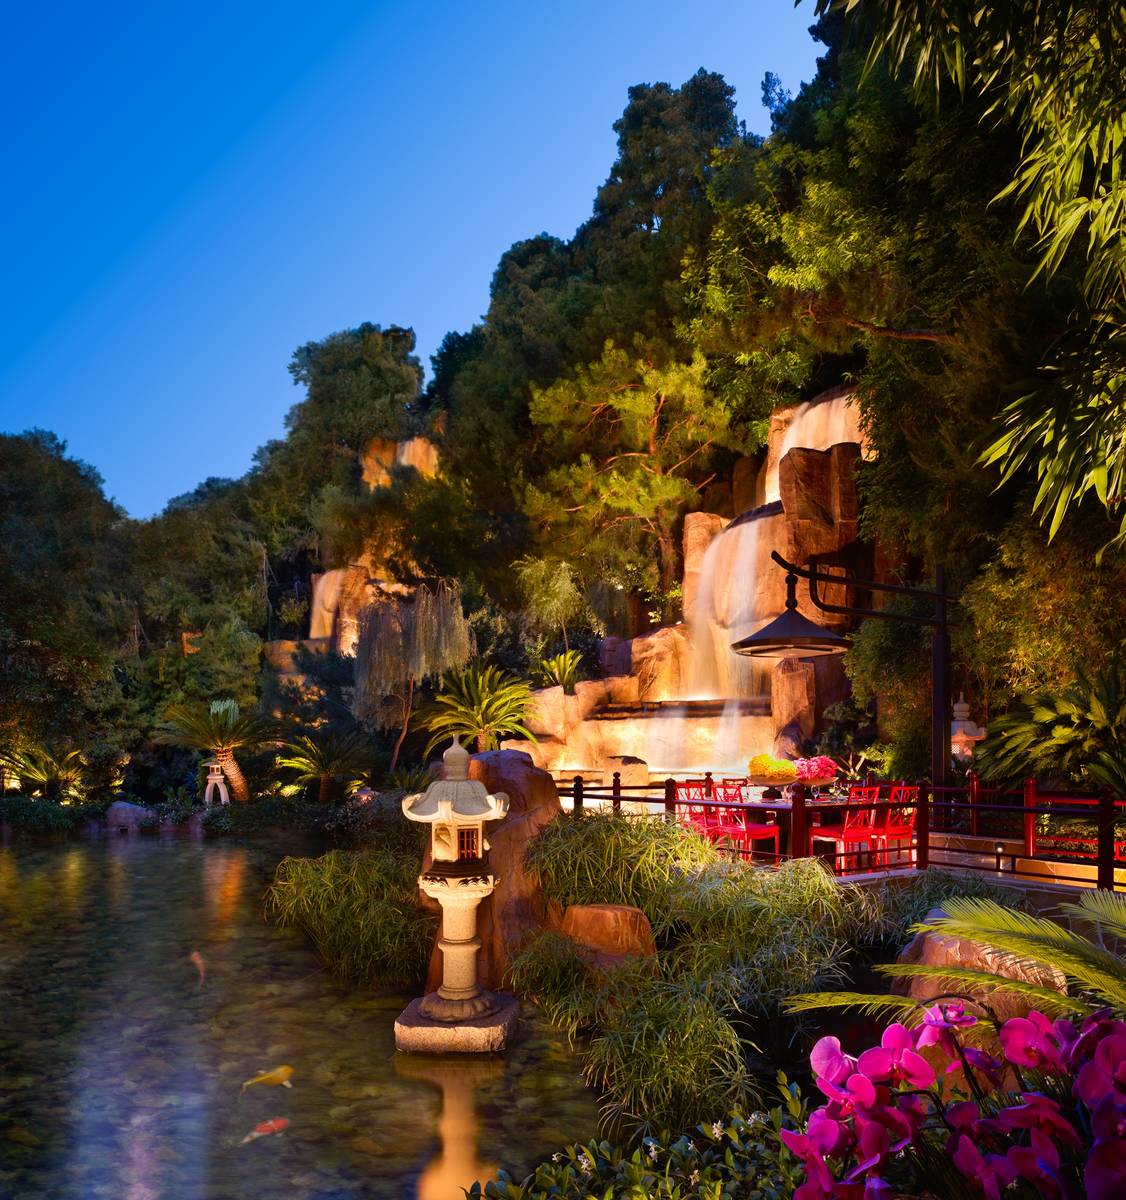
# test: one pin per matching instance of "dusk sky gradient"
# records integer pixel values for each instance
(192, 191)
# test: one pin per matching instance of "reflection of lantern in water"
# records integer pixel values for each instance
(225, 876)
(456, 1165)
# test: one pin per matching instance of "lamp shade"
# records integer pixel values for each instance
(791, 636)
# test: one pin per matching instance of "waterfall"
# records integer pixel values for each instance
(715, 670)
(815, 425)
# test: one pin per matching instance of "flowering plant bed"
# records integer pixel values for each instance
(1037, 1110)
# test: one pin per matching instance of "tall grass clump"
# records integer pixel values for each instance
(661, 1051)
(360, 908)
(600, 858)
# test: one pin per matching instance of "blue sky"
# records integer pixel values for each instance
(192, 191)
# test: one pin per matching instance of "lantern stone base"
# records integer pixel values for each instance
(416, 1032)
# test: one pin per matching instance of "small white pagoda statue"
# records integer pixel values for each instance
(460, 1015)
(964, 733)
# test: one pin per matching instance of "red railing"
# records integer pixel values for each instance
(974, 827)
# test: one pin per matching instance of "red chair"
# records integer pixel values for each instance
(735, 824)
(858, 825)
(898, 822)
(690, 803)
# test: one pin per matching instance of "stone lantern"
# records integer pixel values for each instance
(215, 784)
(964, 733)
(460, 1015)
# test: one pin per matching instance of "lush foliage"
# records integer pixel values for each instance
(1079, 730)
(479, 704)
(328, 760)
(561, 670)
(360, 908)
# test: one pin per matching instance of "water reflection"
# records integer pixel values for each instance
(456, 1164)
(127, 1073)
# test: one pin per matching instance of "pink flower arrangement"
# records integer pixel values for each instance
(815, 770)
(1060, 1135)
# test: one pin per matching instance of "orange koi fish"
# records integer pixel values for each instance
(196, 959)
(279, 1076)
(277, 1125)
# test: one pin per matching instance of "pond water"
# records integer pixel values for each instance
(120, 1072)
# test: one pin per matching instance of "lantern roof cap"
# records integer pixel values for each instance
(455, 798)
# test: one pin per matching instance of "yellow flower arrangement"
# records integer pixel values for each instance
(777, 770)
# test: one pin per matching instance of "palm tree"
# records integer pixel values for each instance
(482, 703)
(324, 758)
(1096, 972)
(220, 728)
(59, 776)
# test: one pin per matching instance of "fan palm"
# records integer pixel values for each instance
(1080, 730)
(1095, 969)
(220, 729)
(59, 777)
(563, 670)
(479, 703)
(325, 758)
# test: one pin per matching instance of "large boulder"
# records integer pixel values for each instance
(661, 661)
(939, 950)
(610, 933)
(123, 817)
(517, 905)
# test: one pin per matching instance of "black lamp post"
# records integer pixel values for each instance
(793, 636)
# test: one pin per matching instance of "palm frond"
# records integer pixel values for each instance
(899, 1008)
(1107, 910)
(1047, 999)
(1021, 937)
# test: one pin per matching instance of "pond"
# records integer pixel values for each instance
(121, 1068)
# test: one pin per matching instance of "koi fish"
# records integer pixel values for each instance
(277, 1125)
(278, 1076)
(196, 959)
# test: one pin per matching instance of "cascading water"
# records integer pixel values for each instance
(815, 425)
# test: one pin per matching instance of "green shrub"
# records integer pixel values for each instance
(265, 812)
(25, 815)
(360, 908)
(599, 858)
(561, 670)
(381, 822)
(881, 915)
(725, 1157)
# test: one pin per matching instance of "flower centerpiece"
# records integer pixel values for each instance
(816, 771)
(769, 771)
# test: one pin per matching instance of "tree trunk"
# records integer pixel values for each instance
(240, 792)
(408, 699)
(323, 791)
(668, 561)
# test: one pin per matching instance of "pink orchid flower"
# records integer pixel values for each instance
(991, 1172)
(830, 1062)
(1037, 1112)
(819, 1181)
(940, 1023)
(1039, 1163)
(1104, 1177)
(895, 1060)
(1032, 1041)
(1096, 1027)
(1105, 1073)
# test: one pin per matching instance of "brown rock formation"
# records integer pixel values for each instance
(936, 950)
(700, 529)
(517, 906)
(612, 932)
